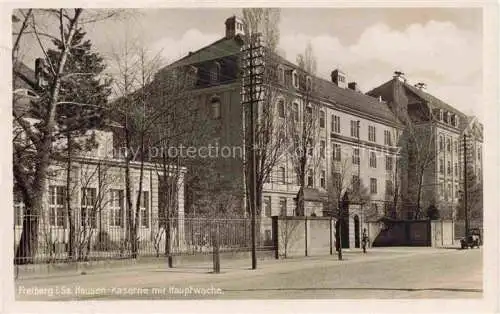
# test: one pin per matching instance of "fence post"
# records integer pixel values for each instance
(275, 236)
(216, 256)
(305, 229)
(331, 237)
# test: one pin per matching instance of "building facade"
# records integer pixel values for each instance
(437, 133)
(96, 186)
(357, 136)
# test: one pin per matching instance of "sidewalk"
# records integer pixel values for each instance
(229, 263)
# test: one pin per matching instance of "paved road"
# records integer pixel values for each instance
(382, 273)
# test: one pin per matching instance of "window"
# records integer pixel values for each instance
(336, 152)
(389, 190)
(57, 206)
(371, 133)
(215, 73)
(310, 178)
(309, 112)
(283, 211)
(456, 169)
(308, 83)
(373, 160)
(267, 206)
(441, 189)
(441, 166)
(322, 179)
(388, 162)
(322, 119)
(18, 211)
(355, 156)
(479, 153)
(335, 124)
(309, 147)
(144, 209)
(296, 111)
(355, 128)
(441, 114)
(268, 178)
(322, 148)
(295, 79)
(116, 208)
(281, 108)
(449, 191)
(456, 191)
(355, 183)
(441, 142)
(448, 145)
(281, 75)
(455, 145)
(88, 209)
(337, 182)
(281, 175)
(373, 185)
(215, 104)
(387, 138)
(448, 169)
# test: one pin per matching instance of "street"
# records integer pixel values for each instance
(382, 273)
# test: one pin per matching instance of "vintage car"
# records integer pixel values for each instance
(472, 240)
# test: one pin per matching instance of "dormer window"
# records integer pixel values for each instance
(295, 79)
(193, 75)
(457, 119)
(441, 115)
(215, 73)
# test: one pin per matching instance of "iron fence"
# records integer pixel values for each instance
(50, 241)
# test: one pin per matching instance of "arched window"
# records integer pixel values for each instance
(308, 83)
(295, 79)
(281, 75)
(215, 107)
(281, 108)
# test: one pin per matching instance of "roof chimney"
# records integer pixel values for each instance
(339, 78)
(421, 86)
(354, 86)
(400, 76)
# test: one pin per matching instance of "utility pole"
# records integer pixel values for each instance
(251, 85)
(359, 175)
(465, 188)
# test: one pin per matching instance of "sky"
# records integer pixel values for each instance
(441, 47)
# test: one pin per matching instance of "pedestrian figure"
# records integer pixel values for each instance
(365, 240)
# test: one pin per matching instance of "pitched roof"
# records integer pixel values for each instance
(387, 89)
(221, 48)
(342, 97)
(434, 101)
(311, 194)
(354, 100)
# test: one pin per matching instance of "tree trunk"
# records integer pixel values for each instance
(419, 191)
(27, 248)
(70, 214)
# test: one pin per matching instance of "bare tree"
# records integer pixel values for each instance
(261, 26)
(303, 129)
(419, 153)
